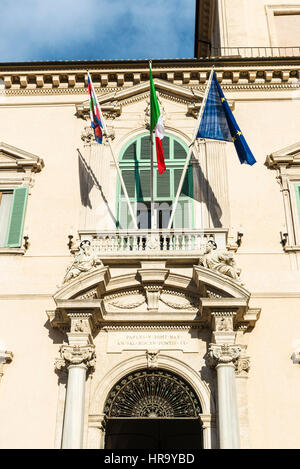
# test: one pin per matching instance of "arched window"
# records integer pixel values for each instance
(135, 167)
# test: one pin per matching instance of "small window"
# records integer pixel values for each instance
(12, 212)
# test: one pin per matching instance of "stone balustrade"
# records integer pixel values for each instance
(119, 242)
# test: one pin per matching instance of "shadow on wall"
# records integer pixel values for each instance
(87, 180)
(206, 194)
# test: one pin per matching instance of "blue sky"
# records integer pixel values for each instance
(96, 29)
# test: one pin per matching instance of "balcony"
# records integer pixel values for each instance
(255, 52)
(155, 243)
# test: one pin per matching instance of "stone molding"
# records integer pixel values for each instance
(286, 162)
(94, 300)
(254, 75)
(12, 158)
(20, 166)
(208, 420)
(223, 354)
(76, 356)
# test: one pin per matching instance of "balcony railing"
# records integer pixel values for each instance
(255, 52)
(132, 242)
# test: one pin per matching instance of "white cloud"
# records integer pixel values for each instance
(37, 29)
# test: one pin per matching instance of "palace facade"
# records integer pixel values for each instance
(116, 337)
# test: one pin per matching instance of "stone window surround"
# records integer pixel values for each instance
(287, 164)
(271, 11)
(17, 170)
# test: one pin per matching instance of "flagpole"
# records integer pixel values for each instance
(191, 149)
(114, 157)
(153, 221)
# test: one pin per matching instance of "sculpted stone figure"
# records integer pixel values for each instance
(83, 262)
(220, 260)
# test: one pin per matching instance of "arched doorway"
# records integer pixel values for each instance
(153, 409)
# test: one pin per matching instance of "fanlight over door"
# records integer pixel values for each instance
(152, 394)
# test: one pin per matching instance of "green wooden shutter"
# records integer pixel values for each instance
(16, 223)
(130, 153)
(130, 182)
(166, 147)
(144, 184)
(145, 148)
(179, 151)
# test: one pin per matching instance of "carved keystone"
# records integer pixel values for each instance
(153, 281)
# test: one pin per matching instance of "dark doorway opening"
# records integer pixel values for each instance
(153, 434)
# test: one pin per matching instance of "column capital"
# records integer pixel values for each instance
(76, 355)
(223, 354)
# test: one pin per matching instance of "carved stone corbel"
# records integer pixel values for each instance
(5, 357)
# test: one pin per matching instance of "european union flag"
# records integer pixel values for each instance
(218, 123)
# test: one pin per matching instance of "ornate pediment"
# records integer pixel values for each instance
(153, 294)
(15, 159)
(112, 103)
(288, 156)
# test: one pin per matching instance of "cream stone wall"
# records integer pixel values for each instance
(244, 23)
(31, 404)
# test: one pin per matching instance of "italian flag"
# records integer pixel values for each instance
(156, 124)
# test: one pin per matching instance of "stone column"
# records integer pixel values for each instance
(223, 358)
(77, 359)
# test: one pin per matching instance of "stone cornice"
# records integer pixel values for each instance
(289, 156)
(68, 79)
(12, 158)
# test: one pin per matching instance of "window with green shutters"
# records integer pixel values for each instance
(135, 168)
(12, 212)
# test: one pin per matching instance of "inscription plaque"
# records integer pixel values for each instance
(186, 340)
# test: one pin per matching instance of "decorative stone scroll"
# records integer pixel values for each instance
(242, 367)
(76, 355)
